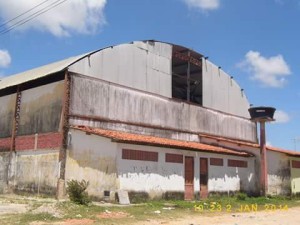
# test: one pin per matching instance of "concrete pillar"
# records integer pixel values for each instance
(263, 161)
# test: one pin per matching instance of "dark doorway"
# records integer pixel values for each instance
(189, 178)
(203, 178)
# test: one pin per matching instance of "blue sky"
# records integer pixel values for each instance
(257, 42)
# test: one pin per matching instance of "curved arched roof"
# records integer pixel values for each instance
(58, 66)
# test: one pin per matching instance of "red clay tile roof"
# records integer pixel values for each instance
(157, 141)
(252, 144)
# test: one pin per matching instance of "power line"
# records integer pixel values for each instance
(8, 21)
(32, 16)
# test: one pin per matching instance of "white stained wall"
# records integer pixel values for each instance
(92, 158)
(279, 175)
(98, 160)
(230, 179)
(159, 177)
(145, 66)
(221, 92)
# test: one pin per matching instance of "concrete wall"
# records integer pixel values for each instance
(4, 160)
(279, 174)
(7, 110)
(91, 97)
(221, 92)
(295, 177)
(99, 160)
(41, 109)
(142, 65)
(159, 178)
(30, 171)
(92, 158)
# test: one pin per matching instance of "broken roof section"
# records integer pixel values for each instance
(251, 144)
(131, 138)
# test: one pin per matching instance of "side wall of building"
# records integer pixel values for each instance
(144, 66)
(221, 92)
(295, 175)
(92, 158)
(159, 178)
(279, 171)
(33, 171)
(96, 98)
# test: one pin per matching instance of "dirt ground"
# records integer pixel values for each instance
(288, 217)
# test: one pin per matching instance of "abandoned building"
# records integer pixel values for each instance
(151, 118)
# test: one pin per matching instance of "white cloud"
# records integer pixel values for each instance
(5, 58)
(203, 4)
(79, 16)
(268, 143)
(270, 72)
(281, 117)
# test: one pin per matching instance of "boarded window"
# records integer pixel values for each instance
(174, 158)
(295, 164)
(216, 161)
(237, 163)
(139, 155)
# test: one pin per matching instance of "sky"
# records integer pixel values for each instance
(257, 41)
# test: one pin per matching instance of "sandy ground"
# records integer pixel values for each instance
(288, 217)
(277, 217)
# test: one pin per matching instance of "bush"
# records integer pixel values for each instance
(241, 196)
(76, 191)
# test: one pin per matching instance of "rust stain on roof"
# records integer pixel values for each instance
(157, 141)
(251, 144)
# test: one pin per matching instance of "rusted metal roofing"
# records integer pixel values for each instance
(38, 72)
(125, 137)
(252, 144)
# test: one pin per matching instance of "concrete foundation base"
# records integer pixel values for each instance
(61, 189)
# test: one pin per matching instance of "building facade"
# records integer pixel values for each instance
(155, 119)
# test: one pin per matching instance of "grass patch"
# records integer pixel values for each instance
(158, 210)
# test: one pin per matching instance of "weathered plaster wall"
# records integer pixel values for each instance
(41, 109)
(295, 177)
(92, 158)
(279, 173)
(7, 108)
(29, 171)
(4, 160)
(232, 179)
(157, 178)
(90, 97)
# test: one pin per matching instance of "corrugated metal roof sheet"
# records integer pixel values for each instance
(251, 144)
(55, 67)
(38, 72)
(157, 141)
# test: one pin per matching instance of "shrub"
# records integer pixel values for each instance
(76, 191)
(241, 196)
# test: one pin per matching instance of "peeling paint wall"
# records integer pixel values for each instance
(233, 179)
(41, 109)
(158, 178)
(30, 171)
(279, 174)
(92, 97)
(295, 177)
(7, 108)
(93, 159)
(4, 160)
